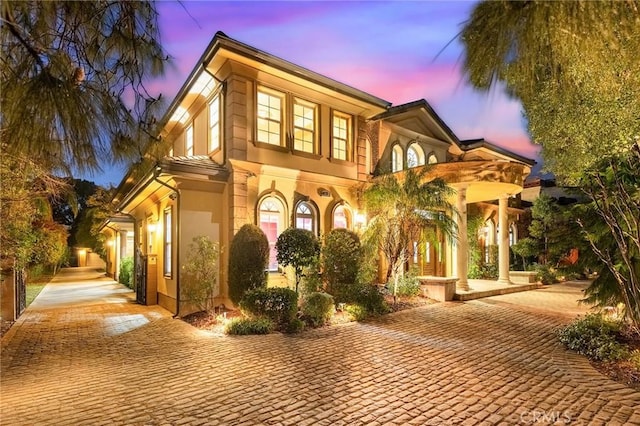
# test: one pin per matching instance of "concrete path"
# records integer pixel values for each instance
(85, 354)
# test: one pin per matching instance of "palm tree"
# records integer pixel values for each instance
(403, 209)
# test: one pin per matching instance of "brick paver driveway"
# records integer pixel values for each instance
(102, 359)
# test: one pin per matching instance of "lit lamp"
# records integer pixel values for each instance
(110, 243)
(151, 227)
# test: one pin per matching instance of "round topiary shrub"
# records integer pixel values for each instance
(248, 260)
(341, 260)
(318, 308)
(280, 305)
(297, 248)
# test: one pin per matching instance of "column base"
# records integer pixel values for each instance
(463, 286)
(504, 281)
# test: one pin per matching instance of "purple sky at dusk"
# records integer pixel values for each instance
(393, 50)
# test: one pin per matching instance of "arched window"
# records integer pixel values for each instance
(341, 217)
(432, 159)
(397, 159)
(415, 156)
(306, 217)
(272, 222)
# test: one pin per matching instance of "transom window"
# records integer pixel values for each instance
(305, 217)
(214, 124)
(188, 142)
(415, 156)
(341, 136)
(432, 159)
(271, 221)
(304, 126)
(269, 123)
(396, 158)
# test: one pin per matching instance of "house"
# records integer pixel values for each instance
(252, 138)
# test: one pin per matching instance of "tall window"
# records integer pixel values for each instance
(513, 234)
(188, 142)
(341, 136)
(304, 126)
(167, 243)
(269, 123)
(415, 156)
(396, 158)
(305, 217)
(341, 217)
(271, 213)
(214, 124)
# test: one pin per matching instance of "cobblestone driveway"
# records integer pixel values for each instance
(98, 358)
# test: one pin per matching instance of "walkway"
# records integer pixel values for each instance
(489, 361)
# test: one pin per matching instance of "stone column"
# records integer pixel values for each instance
(123, 243)
(503, 241)
(462, 248)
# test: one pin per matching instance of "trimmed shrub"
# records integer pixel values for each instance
(318, 308)
(357, 312)
(341, 260)
(248, 260)
(125, 275)
(368, 298)
(594, 337)
(295, 326)
(280, 305)
(297, 248)
(244, 326)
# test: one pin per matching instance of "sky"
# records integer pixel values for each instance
(399, 51)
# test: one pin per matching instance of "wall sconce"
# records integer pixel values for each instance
(151, 227)
(110, 243)
(360, 220)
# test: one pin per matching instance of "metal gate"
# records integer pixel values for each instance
(141, 278)
(20, 284)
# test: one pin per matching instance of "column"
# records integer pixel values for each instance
(123, 243)
(503, 241)
(462, 249)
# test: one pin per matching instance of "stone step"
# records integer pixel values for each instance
(512, 288)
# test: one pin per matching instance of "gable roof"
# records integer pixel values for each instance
(471, 144)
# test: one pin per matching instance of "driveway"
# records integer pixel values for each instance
(85, 353)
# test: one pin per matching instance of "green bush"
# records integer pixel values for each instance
(341, 259)
(244, 326)
(298, 248)
(357, 312)
(594, 337)
(280, 305)
(408, 286)
(295, 326)
(545, 274)
(370, 299)
(318, 308)
(248, 261)
(125, 275)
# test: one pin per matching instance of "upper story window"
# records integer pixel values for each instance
(270, 116)
(188, 141)
(415, 156)
(397, 158)
(341, 136)
(432, 159)
(305, 217)
(214, 124)
(304, 126)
